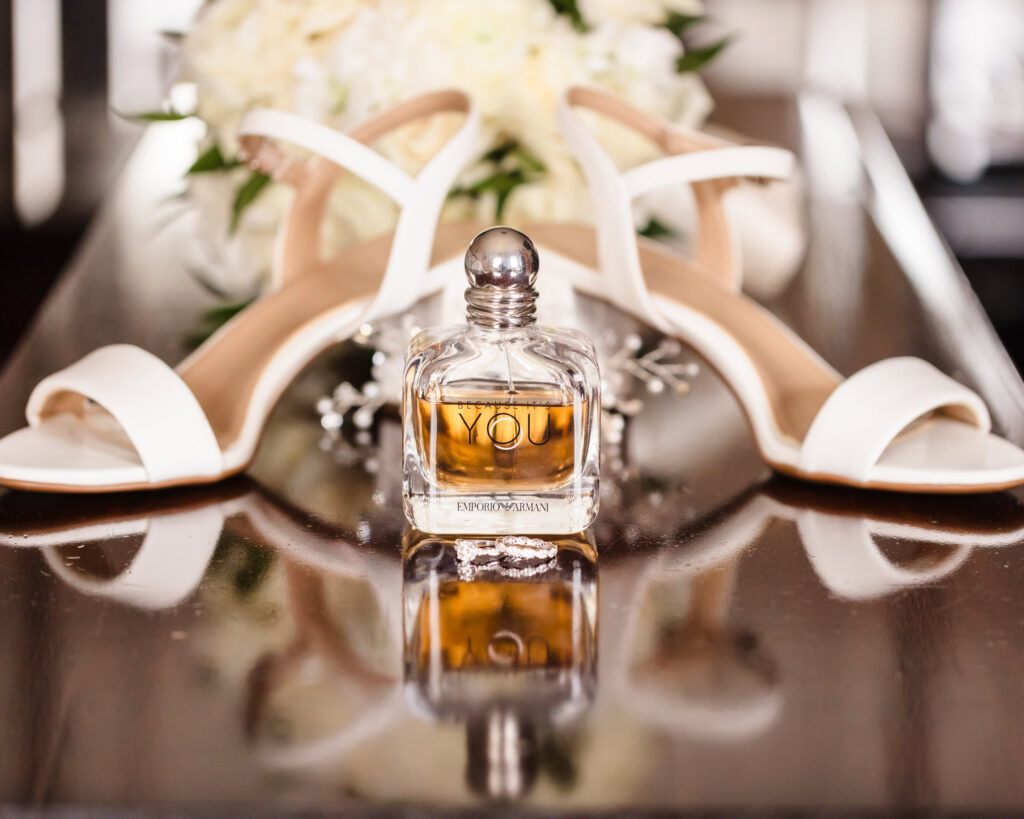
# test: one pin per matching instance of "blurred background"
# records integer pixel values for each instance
(945, 76)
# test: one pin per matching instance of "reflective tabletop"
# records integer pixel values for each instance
(721, 640)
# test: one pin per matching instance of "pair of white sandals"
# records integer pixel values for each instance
(121, 419)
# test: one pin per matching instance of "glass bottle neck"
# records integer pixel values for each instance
(499, 308)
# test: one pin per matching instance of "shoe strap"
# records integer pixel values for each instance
(867, 411)
(710, 165)
(420, 197)
(155, 409)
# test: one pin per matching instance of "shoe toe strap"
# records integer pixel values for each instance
(868, 410)
(154, 407)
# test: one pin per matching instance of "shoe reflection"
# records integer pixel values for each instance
(333, 684)
(867, 545)
(684, 666)
(152, 551)
(148, 551)
(501, 636)
(339, 617)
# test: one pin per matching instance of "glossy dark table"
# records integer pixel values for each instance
(745, 644)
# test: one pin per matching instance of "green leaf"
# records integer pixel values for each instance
(513, 165)
(257, 561)
(503, 187)
(655, 229)
(571, 9)
(212, 320)
(223, 313)
(501, 184)
(527, 161)
(246, 195)
(168, 115)
(212, 160)
(512, 154)
(678, 23)
(557, 759)
(697, 58)
(340, 93)
(207, 282)
(500, 151)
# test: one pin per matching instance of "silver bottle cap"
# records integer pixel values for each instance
(501, 265)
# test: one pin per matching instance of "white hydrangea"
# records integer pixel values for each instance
(339, 61)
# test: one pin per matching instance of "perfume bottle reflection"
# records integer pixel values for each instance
(501, 636)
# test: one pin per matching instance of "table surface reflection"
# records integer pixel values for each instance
(283, 642)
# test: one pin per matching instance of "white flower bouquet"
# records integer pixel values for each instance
(338, 61)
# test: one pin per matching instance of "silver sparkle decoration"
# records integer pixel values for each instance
(625, 365)
(363, 405)
(360, 450)
(388, 340)
(650, 368)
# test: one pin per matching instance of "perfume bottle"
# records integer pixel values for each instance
(500, 636)
(500, 415)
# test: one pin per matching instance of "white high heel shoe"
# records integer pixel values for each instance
(899, 424)
(121, 419)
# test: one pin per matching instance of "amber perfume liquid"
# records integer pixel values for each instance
(520, 441)
(482, 623)
(494, 624)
